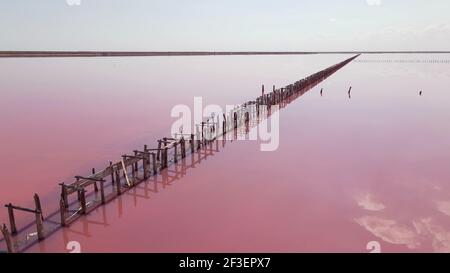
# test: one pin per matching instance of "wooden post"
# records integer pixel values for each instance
(155, 171)
(136, 165)
(112, 174)
(159, 150)
(95, 183)
(7, 237)
(62, 211)
(235, 120)
(175, 158)
(82, 194)
(102, 191)
(203, 132)
(37, 202)
(118, 184)
(183, 147)
(146, 163)
(64, 195)
(165, 162)
(133, 171)
(39, 226)
(262, 90)
(12, 220)
(192, 143)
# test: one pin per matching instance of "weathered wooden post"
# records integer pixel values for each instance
(175, 157)
(62, 211)
(64, 194)
(155, 171)
(37, 203)
(136, 164)
(112, 174)
(165, 157)
(118, 184)
(82, 194)
(192, 143)
(235, 120)
(146, 162)
(224, 125)
(203, 132)
(12, 220)
(95, 183)
(183, 147)
(39, 225)
(159, 150)
(7, 237)
(102, 191)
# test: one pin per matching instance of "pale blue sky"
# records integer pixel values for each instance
(225, 25)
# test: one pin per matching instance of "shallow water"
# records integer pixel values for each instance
(348, 171)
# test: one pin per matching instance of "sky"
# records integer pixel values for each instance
(227, 25)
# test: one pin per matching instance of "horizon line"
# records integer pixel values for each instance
(83, 53)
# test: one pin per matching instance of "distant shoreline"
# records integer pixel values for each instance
(31, 54)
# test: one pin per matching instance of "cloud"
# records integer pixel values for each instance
(374, 2)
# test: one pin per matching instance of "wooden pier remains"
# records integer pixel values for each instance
(86, 193)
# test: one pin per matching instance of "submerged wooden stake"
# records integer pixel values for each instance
(12, 220)
(102, 192)
(183, 147)
(7, 237)
(192, 143)
(118, 184)
(40, 226)
(37, 202)
(95, 183)
(155, 171)
(82, 194)
(62, 211)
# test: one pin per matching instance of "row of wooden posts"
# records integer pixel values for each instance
(141, 164)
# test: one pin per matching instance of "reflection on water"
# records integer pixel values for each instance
(367, 202)
(390, 231)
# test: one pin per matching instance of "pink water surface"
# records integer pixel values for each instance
(373, 167)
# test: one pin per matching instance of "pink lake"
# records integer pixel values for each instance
(348, 171)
